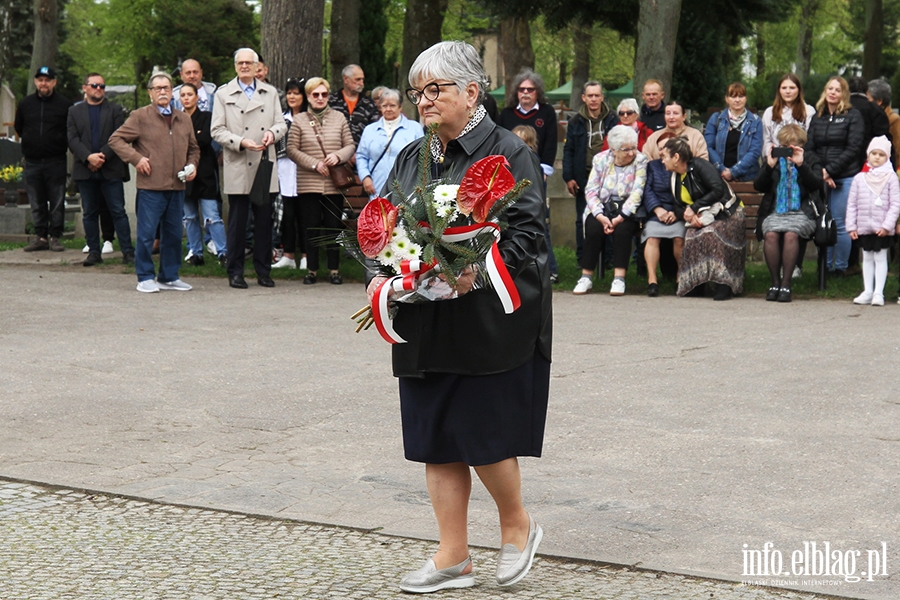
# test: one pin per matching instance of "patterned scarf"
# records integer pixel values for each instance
(787, 196)
(437, 154)
(737, 122)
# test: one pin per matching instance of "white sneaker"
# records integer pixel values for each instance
(189, 255)
(148, 286)
(617, 288)
(302, 263)
(284, 261)
(866, 298)
(797, 274)
(877, 299)
(107, 248)
(211, 246)
(86, 249)
(583, 286)
(177, 285)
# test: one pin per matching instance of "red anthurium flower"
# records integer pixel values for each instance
(375, 225)
(484, 183)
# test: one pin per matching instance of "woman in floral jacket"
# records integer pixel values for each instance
(613, 193)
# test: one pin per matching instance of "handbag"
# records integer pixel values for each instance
(826, 228)
(342, 176)
(259, 191)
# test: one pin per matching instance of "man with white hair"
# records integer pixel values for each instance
(246, 122)
(192, 73)
(350, 101)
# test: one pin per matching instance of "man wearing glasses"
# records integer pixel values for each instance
(41, 123)
(159, 141)
(246, 122)
(96, 169)
(585, 135)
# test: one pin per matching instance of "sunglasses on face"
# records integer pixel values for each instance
(526, 90)
(97, 86)
(319, 95)
(626, 113)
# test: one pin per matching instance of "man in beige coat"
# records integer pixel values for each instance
(159, 141)
(246, 122)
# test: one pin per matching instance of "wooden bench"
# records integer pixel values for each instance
(355, 198)
(751, 199)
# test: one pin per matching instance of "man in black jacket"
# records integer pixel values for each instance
(353, 104)
(96, 169)
(41, 123)
(653, 112)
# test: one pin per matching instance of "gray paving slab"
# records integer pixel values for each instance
(62, 543)
(679, 430)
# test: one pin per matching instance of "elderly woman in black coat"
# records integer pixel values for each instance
(714, 243)
(474, 381)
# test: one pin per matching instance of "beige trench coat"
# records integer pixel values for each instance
(236, 117)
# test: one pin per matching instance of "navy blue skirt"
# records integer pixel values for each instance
(478, 420)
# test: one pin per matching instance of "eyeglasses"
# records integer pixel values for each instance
(527, 90)
(161, 88)
(245, 63)
(626, 113)
(318, 95)
(627, 150)
(430, 92)
(97, 86)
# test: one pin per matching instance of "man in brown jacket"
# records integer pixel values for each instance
(246, 122)
(159, 141)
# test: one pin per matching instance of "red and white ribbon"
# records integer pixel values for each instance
(414, 271)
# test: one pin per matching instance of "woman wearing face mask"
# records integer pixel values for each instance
(734, 137)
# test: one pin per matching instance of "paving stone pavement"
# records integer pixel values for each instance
(58, 543)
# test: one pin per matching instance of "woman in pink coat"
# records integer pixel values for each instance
(872, 211)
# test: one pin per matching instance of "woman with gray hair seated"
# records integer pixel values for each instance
(474, 381)
(613, 193)
(629, 115)
(382, 140)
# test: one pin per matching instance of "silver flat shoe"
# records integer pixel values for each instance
(430, 579)
(513, 565)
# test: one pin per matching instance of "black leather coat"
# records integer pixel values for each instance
(705, 185)
(471, 335)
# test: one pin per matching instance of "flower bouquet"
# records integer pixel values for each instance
(11, 174)
(425, 242)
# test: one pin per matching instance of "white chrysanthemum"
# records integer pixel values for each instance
(410, 251)
(445, 194)
(388, 257)
(399, 244)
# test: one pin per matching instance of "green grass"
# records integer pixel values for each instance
(756, 280)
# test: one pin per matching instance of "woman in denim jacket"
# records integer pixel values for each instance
(735, 137)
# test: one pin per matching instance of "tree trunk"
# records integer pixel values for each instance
(421, 30)
(760, 53)
(344, 39)
(515, 49)
(581, 71)
(46, 37)
(808, 10)
(291, 35)
(657, 31)
(874, 39)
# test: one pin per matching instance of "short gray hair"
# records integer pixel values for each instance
(348, 70)
(526, 74)
(630, 103)
(621, 135)
(458, 62)
(880, 89)
(391, 93)
(159, 75)
(239, 50)
(591, 83)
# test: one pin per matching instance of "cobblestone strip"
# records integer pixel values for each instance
(63, 544)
